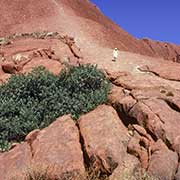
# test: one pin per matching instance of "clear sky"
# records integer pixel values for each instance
(155, 19)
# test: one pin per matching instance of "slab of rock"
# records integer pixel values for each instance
(159, 118)
(163, 162)
(17, 159)
(127, 170)
(115, 95)
(58, 146)
(52, 66)
(177, 176)
(162, 70)
(105, 138)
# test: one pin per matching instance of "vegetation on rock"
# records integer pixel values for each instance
(36, 99)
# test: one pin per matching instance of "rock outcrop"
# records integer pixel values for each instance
(56, 147)
(89, 25)
(105, 138)
(138, 128)
(164, 159)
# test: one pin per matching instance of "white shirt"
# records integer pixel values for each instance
(115, 53)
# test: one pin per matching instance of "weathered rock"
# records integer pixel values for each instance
(28, 53)
(120, 99)
(163, 162)
(162, 49)
(139, 147)
(3, 76)
(54, 67)
(116, 94)
(105, 138)
(17, 159)
(162, 70)
(84, 17)
(158, 117)
(32, 136)
(58, 146)
(177, 176)
(127, 170)
(9, 67)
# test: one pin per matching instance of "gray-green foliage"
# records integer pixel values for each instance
(34, 100)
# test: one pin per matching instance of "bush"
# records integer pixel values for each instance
(34, 100)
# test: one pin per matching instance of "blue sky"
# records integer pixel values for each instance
(156, 19)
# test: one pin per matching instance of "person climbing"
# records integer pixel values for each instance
(115, 54)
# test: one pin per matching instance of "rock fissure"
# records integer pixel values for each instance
(157, 115)
(164, 137)
(30, 138)
(157, 74)
(90, 168)
(172, 105)
(83, 149)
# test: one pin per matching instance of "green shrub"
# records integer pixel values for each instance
(34, 100)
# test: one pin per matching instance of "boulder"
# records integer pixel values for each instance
(17, 159)
(127, 170)
(9, 67)
(58, 146)
(105, 138)
(163, 162)
(159, 118)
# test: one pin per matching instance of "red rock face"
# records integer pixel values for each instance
(80, 19)
(56, 147)
(105, 138)
(143, 127)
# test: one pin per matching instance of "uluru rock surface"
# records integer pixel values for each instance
(56, 146)
(139, 128)
(89, 25)
(105, 138)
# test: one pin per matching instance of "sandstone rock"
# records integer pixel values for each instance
(135, 148)
(4, 76)
(163, 162)
(177, 176)
(116, 94)
(127, 170)
(130, 82)
(162, 49)
(158, 117)
(120, 99)
(9, 67)
(105, 138)
(32, 136)
(58, 146)
(162, 70)
(52, 66)
(84, 17)
(17, 159)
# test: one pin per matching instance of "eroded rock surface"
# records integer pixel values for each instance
(31, 50)
(15, 160)
(163, 163)
(56, 146)
(84, 17)
(142, 127)
(105, 139)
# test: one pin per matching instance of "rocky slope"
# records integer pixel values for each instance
(138, 128)
(80, 19)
